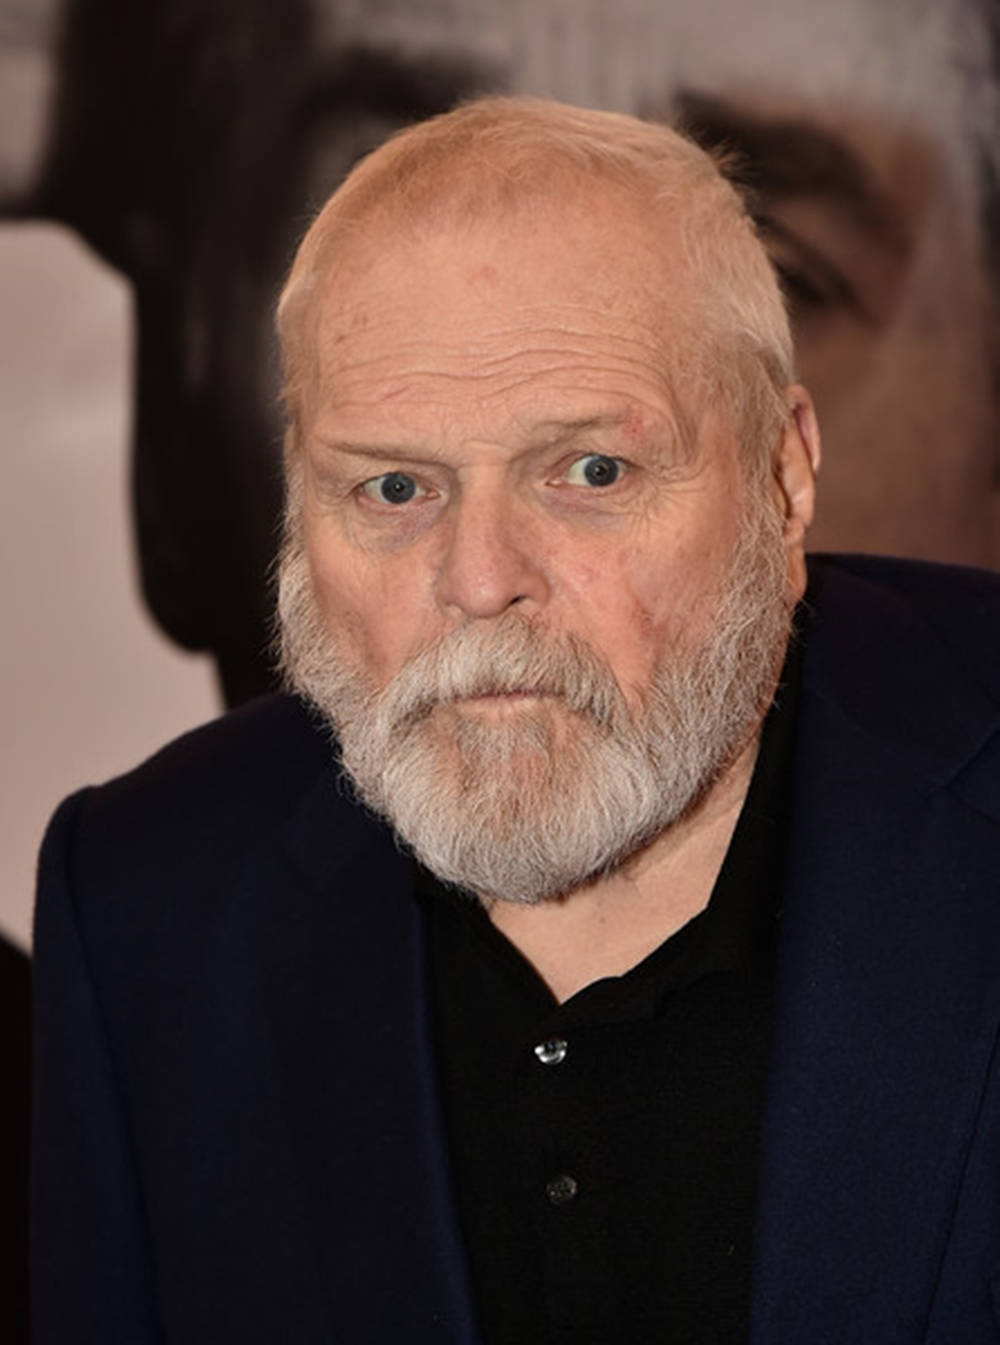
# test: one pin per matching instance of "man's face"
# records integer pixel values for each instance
(492, 426)
(494, 461)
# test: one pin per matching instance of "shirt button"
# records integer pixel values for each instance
(552, 1052)
(561, 1190)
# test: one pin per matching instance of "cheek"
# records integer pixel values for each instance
(667, 590)
(625, 608)
(343, 614)
(373, 611)
(667, 600)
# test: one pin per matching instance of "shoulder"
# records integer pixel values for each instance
(910, 652)
(884, 609)
(254, 757)
(945, 592)
(199, 804)
(173, 884)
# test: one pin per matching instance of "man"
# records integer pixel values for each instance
(653, 996)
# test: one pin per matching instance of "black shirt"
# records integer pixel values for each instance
(605, 1149)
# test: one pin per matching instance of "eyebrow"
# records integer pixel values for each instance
(553, 432)
(544, 434)
(787, 157)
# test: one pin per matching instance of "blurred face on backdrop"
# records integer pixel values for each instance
(865, 131)
(531, 584)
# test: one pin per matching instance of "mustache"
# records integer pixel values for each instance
(515, 655)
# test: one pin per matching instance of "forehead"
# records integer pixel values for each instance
(539, 306)
(591, 249)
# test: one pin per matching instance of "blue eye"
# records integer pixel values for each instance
(391, 488)
(594, 470)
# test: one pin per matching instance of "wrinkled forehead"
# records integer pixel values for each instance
(503, 287)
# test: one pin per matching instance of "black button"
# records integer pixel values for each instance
(552, 1052)
(561, 1190)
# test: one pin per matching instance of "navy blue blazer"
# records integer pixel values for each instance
(238, 1133)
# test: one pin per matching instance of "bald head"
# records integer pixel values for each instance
(498, 161)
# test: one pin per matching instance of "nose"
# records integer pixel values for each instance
(492, 557)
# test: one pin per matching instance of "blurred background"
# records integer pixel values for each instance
(158, 162)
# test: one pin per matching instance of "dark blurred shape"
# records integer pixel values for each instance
(15, 1051)
(157, 134)
(184, 138)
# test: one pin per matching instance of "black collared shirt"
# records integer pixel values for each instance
(605, 1149)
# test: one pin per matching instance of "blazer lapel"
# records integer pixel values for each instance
(351, 1016)
(888, 1007)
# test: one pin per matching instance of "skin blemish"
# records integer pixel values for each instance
(485, 277)
(634, 426)
(646, 625)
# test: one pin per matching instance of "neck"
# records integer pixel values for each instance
(606, 927)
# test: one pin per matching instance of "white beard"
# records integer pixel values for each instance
(530, 804)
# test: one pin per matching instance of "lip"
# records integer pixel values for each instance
(505, 696)
(500, 699)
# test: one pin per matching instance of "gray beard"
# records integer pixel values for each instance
(530, 805)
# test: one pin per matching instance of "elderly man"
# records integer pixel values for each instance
(643, 986)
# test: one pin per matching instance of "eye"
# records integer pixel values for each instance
(392, 488)
(594, 470)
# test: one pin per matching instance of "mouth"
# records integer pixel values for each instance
(504, 696)
(500, 700)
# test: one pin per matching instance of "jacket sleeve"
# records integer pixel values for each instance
(91, 1276)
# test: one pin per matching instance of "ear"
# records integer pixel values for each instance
(795, 478)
